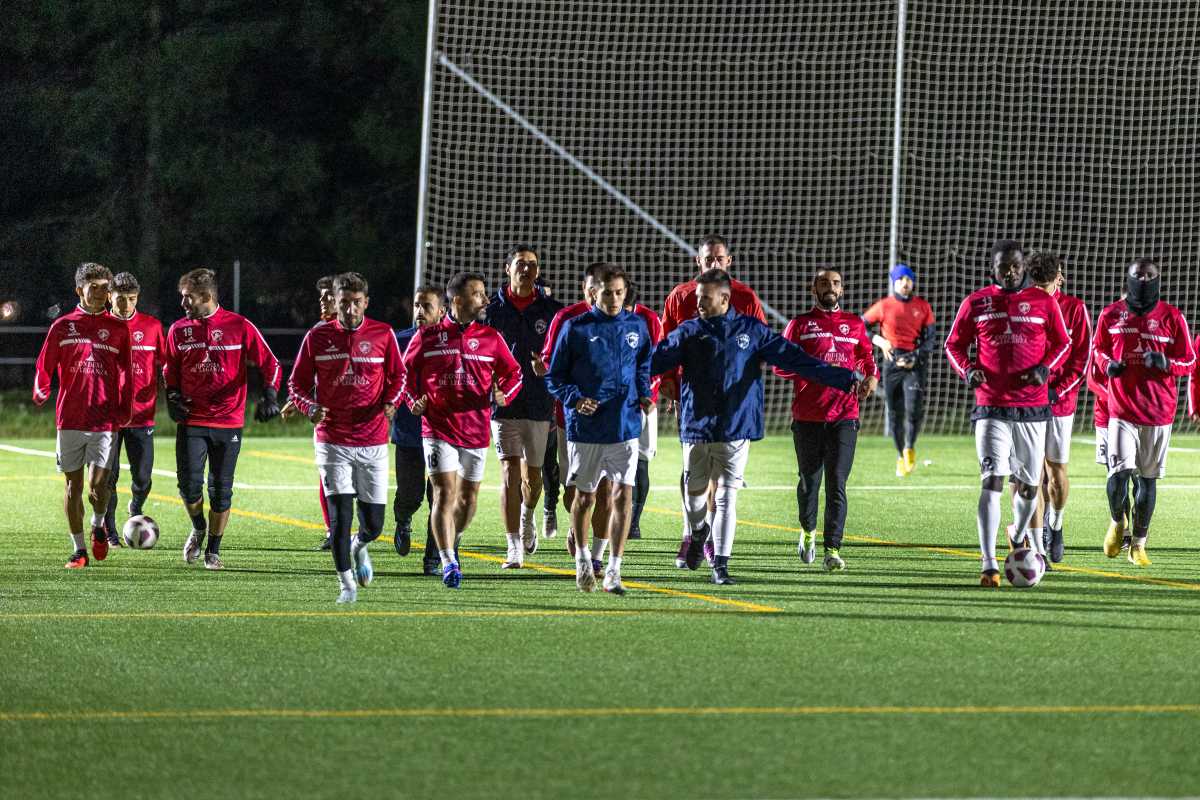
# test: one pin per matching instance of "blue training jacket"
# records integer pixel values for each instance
(525, 334)
(607, 359)
(721, 399)
(406, 429)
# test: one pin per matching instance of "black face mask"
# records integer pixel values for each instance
(1141, 296)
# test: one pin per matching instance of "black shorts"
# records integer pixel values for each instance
(196, 444)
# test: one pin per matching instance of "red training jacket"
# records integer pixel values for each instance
(90, 355)
(835, 337)
(1068, 379)
(206, 361)
(900, 321)
(1140, 395)
(354, 374)
(149, 347)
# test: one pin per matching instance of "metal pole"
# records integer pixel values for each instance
(237, 286)
(894, 234)
(426, 127)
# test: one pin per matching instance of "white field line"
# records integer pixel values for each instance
(1092, 441)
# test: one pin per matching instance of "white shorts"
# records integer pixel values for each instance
(723, 462)
(1102, 446)
(74, 449)
(361, 471)
(1058, 439)
(564, 458)
(1138, 447)
(441, 456)
(648, 441)
(1011, 448)
(521, 438)
(590, 463)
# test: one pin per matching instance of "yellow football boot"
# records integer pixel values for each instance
(989, 579)
(1137, 555)
(1112, 540)
(901, 468)
(910, 459)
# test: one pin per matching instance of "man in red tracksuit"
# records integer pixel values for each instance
(1144, 346)
(352, 366)
(87, 350)
(1020, 338)
(207, 355)
(148, 345)
(453, 372)
(824, 419)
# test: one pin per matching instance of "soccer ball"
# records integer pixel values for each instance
(1024, 568)
(140, 532)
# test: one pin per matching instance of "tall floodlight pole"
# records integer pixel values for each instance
(426, 127)
(894, 232)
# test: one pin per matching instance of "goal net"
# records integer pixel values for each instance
(627, 130)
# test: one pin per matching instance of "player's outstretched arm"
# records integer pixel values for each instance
(791, 361)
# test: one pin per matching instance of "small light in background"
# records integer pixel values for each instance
(9, 311)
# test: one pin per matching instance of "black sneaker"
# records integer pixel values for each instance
(431, 566)
(695, 550)
(403, 538)
(1056, 545)
(326, 543)
(635, 533)
(720, 576)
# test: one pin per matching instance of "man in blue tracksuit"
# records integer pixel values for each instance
(411, 484)
(600, 372)
(521, 311)
(721, 405)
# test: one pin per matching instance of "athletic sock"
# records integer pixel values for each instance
(346, 578)
(1023, 510)
(724, 523)
(583, 555)
(696, 508)
(1139, 541)
(77, 541)
(597, 548)
(1053, 517)
(614, 563)
(526, 515)
(1036, 533)
(199, 522)
(356, 543)
(515, 546)
(97, 520)
(447, 557)
(214, 544)
(988, 521)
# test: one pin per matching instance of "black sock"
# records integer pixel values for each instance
(214, 545)
(1118, 493)
(199, 521)
(110, 514)
(135, 505)
(641, 489)
(721, 561)
(341, 518)
(431, 548)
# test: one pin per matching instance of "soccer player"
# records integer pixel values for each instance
(148, 346)
(680, 306)
(208, 352)
(1046, 272)
(453, 372)
(1193, 390)
(721, 406)
(88, 351)
(906, 338)
(600, 373)
(648, 441)
(521, 312)
(824, 420)
(352, 365)
(411, 482)
(1020, 339)
(1143, 345)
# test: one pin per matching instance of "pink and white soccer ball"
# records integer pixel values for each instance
(1024, 568)
(140, 532)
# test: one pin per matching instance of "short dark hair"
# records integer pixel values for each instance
(594, 269)
(429, 288)
(201, 279)
(1044, 267)
(1007, 251)
(631, 293)
(712, 240)
(458, 282)
(125, 283)
(521, 248)
(610, 273)
(325, 282)
(715, 277)
(351, 282)
(91, 271)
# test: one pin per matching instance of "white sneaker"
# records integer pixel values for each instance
(550, 523)
(529, 535)
(514, 558)
(807, 548)
(213, 561)
(364, 571)
(612, 583)
(585, 579)
(193, 545)
(347, 596)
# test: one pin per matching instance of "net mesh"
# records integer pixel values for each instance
(1069, 126)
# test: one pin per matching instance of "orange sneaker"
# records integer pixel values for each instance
(78, 560)
(99, 542)
(989, 579)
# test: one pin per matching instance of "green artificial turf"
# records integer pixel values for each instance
(143, 677)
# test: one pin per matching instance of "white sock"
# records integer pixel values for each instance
(1023, 511)
(583, 556)
(78, 542)
(1139, 541)
(97, 520)
(447, 557)
(347, 580)
(515, 547)
(355, 544)
(526, 516)
(1036, 533)
(597, 548)
(614, 563)
(1053, 517)
(724, 522)
(696, 507)
(988, 521)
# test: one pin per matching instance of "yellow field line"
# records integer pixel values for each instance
(548, 612)
(953, 551)
(284, 457)
(571, 713)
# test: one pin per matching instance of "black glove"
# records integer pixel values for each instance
(1039, 374)
(975, 378)
(268, 405)
(1053, 396)
(1114, 368)
(1155, 359)
(177, 406)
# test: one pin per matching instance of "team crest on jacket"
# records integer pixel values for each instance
(473, 344)
(103, 334)
(632, 339)
(1023, 308)
(743, 341)
(540, 326)
(138, 336)
(1152, 324)
(364, 347)
(217, 335)
(845, 329)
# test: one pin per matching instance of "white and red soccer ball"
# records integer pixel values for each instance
(140, 532)
(1024, 568)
